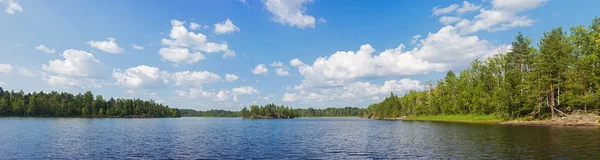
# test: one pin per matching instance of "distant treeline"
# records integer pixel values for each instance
(268, 111)
(329, 112)
(54, 104)
(561, 75)
(209, 113)
(273, 111)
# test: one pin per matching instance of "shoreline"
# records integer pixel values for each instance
(488, 119)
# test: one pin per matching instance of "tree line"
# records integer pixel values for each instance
(268, 111)
(329, 112)
(209, 113)
(54, 104)
(561, 75)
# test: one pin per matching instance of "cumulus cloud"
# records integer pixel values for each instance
(194, 78)
(63, 81)
(218, 96)
(194, 26)
(503, 14)
(226, 27)
(445, 10)
(467, 7)
(180, 55)
(136, 47)
(245, 90)
(12, 7)
(355, 90)
(180, 42)
(45, 49)
(260, 69)
(77, 63)
(446, 20)
(108, 46)
(5, 68)
(231, 77)
(277, 64)
(141, 77)
(281, 69)
(291, 12)
(437, 52)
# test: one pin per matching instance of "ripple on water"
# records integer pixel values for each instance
(302, 138)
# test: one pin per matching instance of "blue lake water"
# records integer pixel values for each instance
(300, 138)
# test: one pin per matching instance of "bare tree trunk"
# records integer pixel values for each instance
(551, 100)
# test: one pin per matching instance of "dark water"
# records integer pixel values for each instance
(302, 138)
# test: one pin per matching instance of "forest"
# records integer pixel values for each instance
(54, 104)
(329, 112)
(561, 75)
(209, 113)
(269, 111)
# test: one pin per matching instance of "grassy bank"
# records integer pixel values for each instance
(457, 118)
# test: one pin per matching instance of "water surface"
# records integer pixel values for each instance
(301, 138)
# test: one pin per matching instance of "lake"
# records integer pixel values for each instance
(300, 138)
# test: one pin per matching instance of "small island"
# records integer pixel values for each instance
(269, 111)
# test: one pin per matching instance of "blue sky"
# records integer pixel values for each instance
(313, 53)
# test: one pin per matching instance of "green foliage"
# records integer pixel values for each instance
(209, 113)
(270, 111)
(329, 112)
(563, 74)
(56, 104)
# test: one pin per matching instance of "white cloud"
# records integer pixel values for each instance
(223, 95)
(109, 46)
(136, 47)
(322, 20)
(260, 69)
(196, 93)
(445, 10)
(296, 62)
(180, 40)
(218, 96)
(77, 63)
(63, 81)
(226, 27)
(290, 12)
(277, 64)
(503, 14)
(5, 68)
(231, 77)
(438, 52)
(282, 71)
(467, 7)
(355, 90)
(245, 90)
(516, 5)
(194, 26)
(141, 77)
(195, 78)
(45, 49)
(446, 20)
(180, 55)
(26, 72)
(12, 7)
(3, 83)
